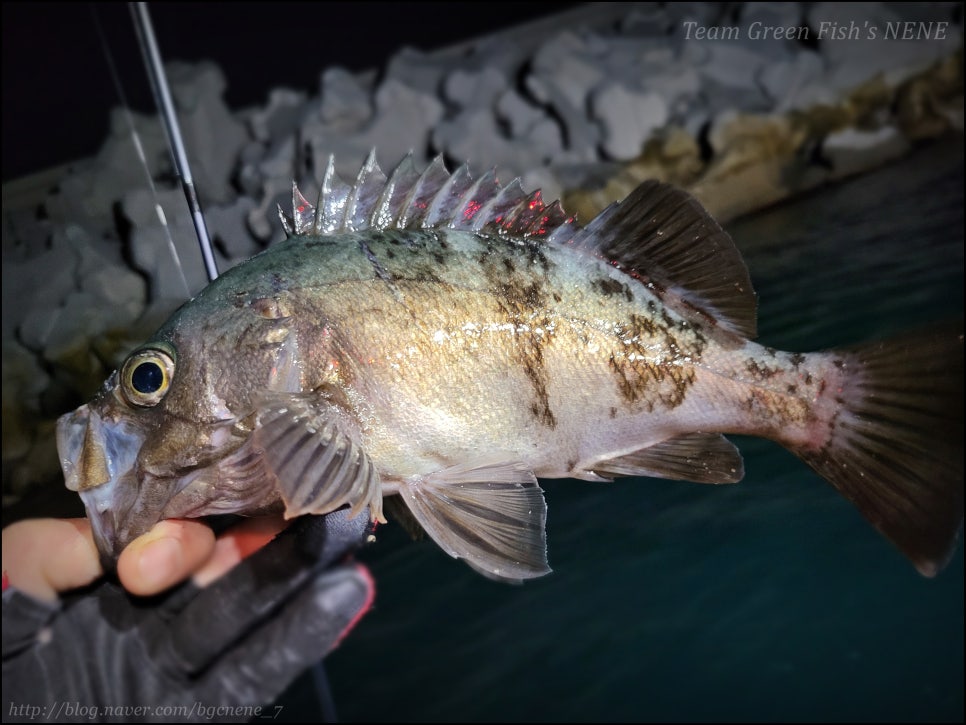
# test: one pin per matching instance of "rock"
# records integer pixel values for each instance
(630, 62)
(230, 232)
(774, 14)
(114, 286)
(22, 293)
(519, 114)
(274, 174)
(23, 382)
(765, 27)
(850, 151)
(212, 136)
(732, 65)
(647, 22)
(25, 233)
(474, 137)
(563, 73)
(117, 289)
(706, 13)
(249, 177)
(346, 100)
(102, 294)
(676, 83)
(262, 219)
(692, 53)
(933, 103)
(165, 248)
(469, 89)
(627, 118)
(40, 465)
(791, 84)
(67, 347)
(35, 326)
(853, 39)
(281, 117)
(567, 64)
(402, 121)
(88, 194)
(81, 318)
(419, 71)
(581, 135)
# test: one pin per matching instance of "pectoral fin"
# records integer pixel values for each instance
(311, 446)
(490, 513)
(698, 457)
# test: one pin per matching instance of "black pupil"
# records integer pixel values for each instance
(147, 377)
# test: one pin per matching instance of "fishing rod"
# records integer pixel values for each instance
(169, 119)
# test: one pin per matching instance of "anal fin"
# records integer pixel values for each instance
(490, 513)
(698, 457)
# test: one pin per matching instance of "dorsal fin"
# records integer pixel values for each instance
(659, 234)
(664, 237)
(431, 199)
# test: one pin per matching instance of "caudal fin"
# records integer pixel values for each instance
(896, 443)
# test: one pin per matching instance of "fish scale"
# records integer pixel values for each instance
(450, 340)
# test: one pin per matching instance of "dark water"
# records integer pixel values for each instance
(767, 600)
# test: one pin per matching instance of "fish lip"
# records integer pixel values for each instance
(98, 456)
(70, 435)
(104, 530)
(119, 514)
(111, 507)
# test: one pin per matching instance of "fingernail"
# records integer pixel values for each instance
(159, 561)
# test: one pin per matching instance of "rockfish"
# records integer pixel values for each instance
(450, 341)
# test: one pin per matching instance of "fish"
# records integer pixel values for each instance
(430, 345)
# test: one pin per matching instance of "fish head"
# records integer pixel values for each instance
(169, 433)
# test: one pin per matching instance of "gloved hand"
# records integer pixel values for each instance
(218, 653)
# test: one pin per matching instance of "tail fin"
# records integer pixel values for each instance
(896, 444)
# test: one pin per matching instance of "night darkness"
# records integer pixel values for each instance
(57, 89)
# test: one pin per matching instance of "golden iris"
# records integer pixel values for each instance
(146, 377)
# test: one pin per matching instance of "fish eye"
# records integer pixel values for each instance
(146, 376)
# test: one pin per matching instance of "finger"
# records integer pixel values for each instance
(42, 557)
(237, 543)
(253, 591)
(166, 555)
(260, 666)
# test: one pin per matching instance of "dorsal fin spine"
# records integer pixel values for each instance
(303, 213)
(385, 214)
(414, 206)
(332, 201)
(440, 212)
(352, 207)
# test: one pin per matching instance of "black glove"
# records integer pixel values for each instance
(221, 653)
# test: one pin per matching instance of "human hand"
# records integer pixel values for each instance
(238, 641)
(42, 557)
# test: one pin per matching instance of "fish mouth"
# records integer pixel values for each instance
(98, 458)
